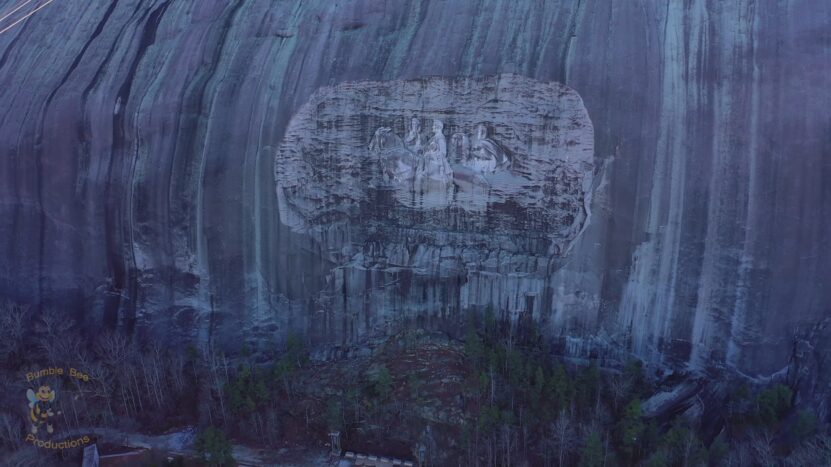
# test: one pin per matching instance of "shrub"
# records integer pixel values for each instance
(214, 448)
(246, 391)
(592, 455)
(381, 382)
(631, 428)
(772, 404)
(805, 424)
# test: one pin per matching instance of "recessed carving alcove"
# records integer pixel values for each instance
(477, 180)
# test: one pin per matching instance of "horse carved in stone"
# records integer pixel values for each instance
(396, 161)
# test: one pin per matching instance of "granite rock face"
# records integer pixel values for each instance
(139, 140)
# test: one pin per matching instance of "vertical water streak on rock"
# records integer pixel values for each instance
(258, 174)
(271, 257)
(647, 305)
(164, 260)
(211, 82)
(120, 242)
(720, 314)
(406, 30)
(571, 34)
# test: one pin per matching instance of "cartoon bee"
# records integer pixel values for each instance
(40, 407)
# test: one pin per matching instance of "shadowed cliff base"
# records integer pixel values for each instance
(498, 396)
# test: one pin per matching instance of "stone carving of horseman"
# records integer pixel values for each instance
(397, 162)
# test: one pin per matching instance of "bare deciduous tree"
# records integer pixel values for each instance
(10, 429)
(761, 443)
(813, 451)
(13, 324)
(57, 337)
(619, 389)
(563, 436)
